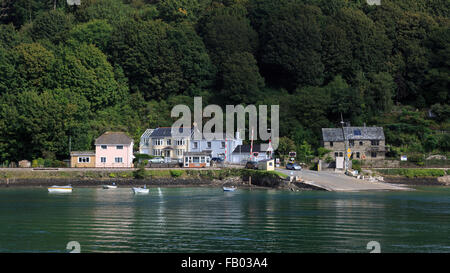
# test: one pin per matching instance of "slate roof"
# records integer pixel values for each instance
(114, 138)
(245, 148)
(167, 132)
(223, 136)
(78, 153)
(353, 133)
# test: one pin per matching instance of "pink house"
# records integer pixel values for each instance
(114, 150)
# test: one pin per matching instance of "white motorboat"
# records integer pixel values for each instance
(60, 189)
(141, 190)
(232, 188)
(113, 186)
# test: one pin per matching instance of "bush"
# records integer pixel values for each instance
(141, 157)
(34, 163)
(410, 173)
(356, 165)
(139, 174)
(176, 173)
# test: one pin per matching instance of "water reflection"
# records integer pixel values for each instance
(208, 219)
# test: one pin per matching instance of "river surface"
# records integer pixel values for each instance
(210, 220)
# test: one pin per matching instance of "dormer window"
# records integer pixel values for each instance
(357, 132)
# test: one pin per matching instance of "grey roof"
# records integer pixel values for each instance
(353, 133)
(223, 136)
(167, 132)
(77, 153)
(114, 138)
(245, 148)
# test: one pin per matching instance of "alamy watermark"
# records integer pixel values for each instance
(257, 122)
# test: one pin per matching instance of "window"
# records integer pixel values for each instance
(178, 152)
(331, 143)
(352, 143)
(361, 143)
(223, 144)
(373, 154)
(196, 159)
(179, 142)
(103, 159)
(357, 154)
(83, 159)
(195, 145)
(357, 132)
(104, 147)
(336, 154)
(169, 142)
(118, 160)
(202, 159)
(209, 144)
(119, 147)
(157, 141)
(157, 152)
(341, 154)
(375, 142)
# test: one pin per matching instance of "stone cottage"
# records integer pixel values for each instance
(365, 143)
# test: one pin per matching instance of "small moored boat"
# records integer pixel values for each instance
(141, 190)
(113, 186)
(232, 188)
(60, 189)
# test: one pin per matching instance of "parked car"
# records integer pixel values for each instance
(217, 160)
(251, 165)
(293, 166)
(157, 160)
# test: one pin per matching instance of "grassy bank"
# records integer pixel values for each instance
(139, 174)
(205, 174)
(414, 173)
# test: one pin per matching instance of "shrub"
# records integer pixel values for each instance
(112, 175)
(140, 173)
(176, 173)
(34, 163)
(356, 165)
(410, 173)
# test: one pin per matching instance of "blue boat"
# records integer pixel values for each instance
(232, 188)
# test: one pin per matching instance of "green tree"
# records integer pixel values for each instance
(97, 32)
(241, 80)
(291, 46)
(53, 25)
(85, 69)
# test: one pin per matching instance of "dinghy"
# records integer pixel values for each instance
(113, 186)
(232, 188)
(141, 190)
(60, 189)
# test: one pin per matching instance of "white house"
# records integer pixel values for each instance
(222, 147)
(260, 152)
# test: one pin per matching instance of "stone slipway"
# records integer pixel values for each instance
(338, 182)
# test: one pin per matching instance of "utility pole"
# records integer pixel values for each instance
(346, 146)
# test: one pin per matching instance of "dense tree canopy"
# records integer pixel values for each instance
(74, 72)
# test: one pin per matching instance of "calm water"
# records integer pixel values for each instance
(207, 219)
